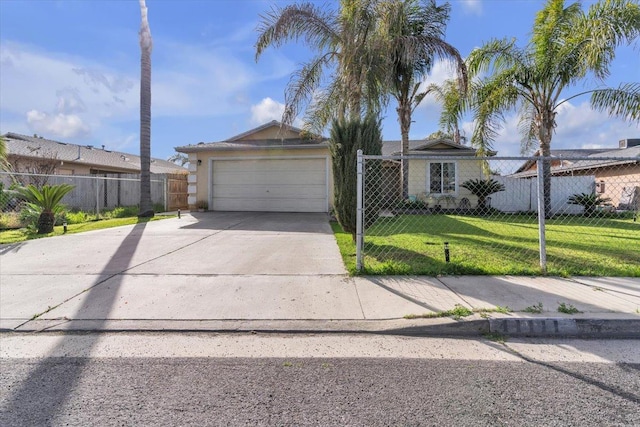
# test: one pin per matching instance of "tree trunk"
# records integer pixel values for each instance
(46, 221)
(545, 131)
(404, 115)
(146, 206)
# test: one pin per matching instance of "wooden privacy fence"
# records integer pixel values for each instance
(107, 191)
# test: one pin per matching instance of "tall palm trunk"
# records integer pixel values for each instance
(146, 206)
(404, 116)
(545, 125)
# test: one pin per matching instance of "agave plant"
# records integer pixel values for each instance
(46, 200)
(589, 201)
(481, 188)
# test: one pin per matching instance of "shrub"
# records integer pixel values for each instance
(123, 212)
(10, 220)
(482, 188)
(347, 137)
(77, 217)
(46, 201)
(590, 202)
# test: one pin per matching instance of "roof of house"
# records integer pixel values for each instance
(290, 140)
(579, 159)
(441, 146)
(283, 128)
(242, 142)
(252, 145)
(38, 147)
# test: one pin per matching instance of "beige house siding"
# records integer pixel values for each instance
(617, 178)
(200, 175)
(465, 169)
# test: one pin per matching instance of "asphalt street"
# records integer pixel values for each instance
(301, 380)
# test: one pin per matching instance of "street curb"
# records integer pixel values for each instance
(563, 327)
(560, 327)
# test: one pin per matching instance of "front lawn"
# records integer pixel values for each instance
(22, 234)
(414, 244)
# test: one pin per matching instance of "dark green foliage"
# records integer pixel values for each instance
(589, 201)
(481, 188)
(347, 137)
(46, 201)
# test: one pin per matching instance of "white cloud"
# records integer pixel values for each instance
(472, 6)
(265, 111)
(58, 125)
(578, 126)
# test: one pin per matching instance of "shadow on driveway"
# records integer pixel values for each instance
(39, 398)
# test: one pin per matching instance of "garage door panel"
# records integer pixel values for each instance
(272, 185)
(263, 165)
(269, 191)
(270, 205)
(268, 178)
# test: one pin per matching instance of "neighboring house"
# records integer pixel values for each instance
(35, 154)
(277, 168)
(617, 178)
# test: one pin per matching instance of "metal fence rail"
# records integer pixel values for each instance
(95, 192)
(590, 225)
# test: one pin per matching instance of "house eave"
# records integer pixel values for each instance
(204, 148)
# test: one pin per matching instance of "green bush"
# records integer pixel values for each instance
(590, 202)
(482, 188)
(122, 212)
(46, 201)
(10, 221)
(78, 217)
(347, 137)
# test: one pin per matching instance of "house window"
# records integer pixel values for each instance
(441, 178)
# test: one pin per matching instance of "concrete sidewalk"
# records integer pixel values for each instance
(609, 307)
(224, 275)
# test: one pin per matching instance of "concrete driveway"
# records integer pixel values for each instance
(203, 266)
(201, 243)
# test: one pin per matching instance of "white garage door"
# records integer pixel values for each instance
(270, 185)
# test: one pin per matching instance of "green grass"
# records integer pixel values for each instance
(22, 234)
(460, 311)
(413, 244)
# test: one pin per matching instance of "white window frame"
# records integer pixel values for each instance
(455, 178)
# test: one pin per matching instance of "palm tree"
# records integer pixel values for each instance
(341, 42)
(412, 34)
(483, 188)
(566, 46)
(146, 206)
(453, 103)
(45, 200)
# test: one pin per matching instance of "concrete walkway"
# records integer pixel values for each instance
(276, 272)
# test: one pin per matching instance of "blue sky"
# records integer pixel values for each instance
(70, 72)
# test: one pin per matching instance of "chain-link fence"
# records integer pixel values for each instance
(91, 193)
(471, 215)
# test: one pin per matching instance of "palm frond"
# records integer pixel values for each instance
(490, 99)
(290, 23)
(302, 85)
(607, 25)
(623, 101)
(526, 127)
(496, 54)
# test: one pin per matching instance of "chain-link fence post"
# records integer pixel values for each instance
(541, 215)
(359, 212)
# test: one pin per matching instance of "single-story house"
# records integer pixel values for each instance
(617, 177)
(281, 168)
(35, 154)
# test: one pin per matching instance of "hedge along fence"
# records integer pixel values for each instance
(98, 192)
